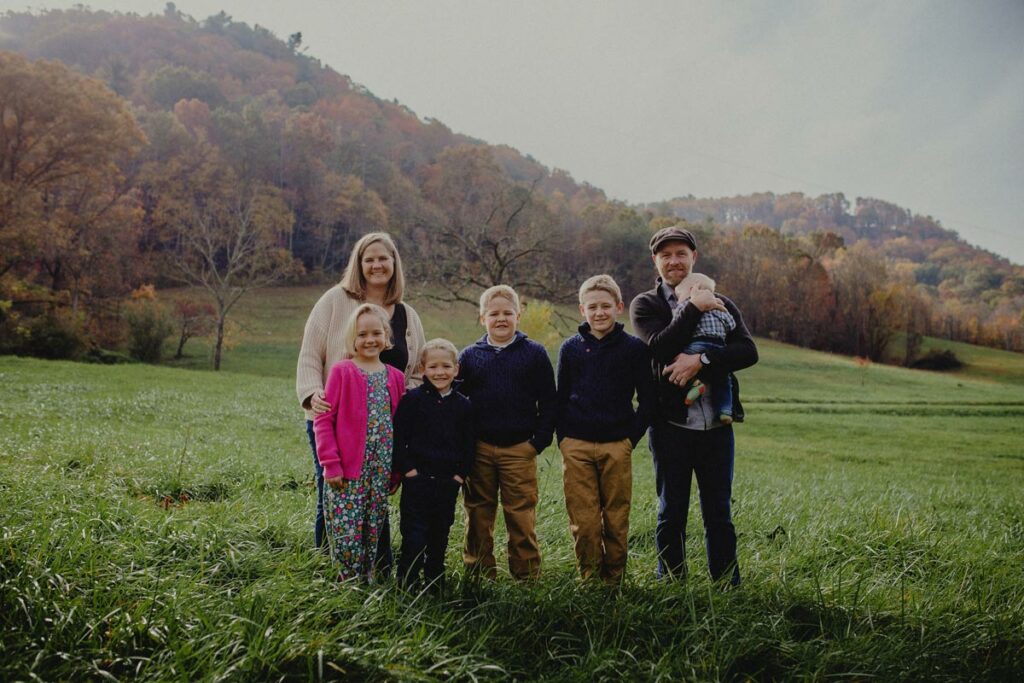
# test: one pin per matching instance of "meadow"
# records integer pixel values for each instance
(156, 524)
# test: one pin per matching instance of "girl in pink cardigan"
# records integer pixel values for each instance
(354, 441)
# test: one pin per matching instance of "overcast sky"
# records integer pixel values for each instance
(920, 103)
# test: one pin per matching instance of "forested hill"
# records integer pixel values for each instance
(192, 120)
(900, 232)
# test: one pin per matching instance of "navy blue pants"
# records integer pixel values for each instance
(384, 557)
(427, 514)
(679, 454)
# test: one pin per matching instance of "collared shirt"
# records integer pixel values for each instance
(714, 324)
(499, 347)
(673, 301)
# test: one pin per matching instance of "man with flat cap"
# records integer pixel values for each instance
(690, 440)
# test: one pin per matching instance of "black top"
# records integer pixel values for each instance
(512, 390)
(596, 382)
(398, 355)
(666, 335)
(434, 433)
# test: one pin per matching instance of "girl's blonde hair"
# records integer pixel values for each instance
(354, 282)
(438, 344)
(601, 283)
(348, 335)
(503, 291)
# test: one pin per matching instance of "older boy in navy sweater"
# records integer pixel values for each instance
(599, 370)
(511, 383)
(434, 447)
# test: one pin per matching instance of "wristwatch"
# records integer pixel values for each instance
(704, 360)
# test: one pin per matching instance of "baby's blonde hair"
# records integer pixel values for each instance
(496, 291)
(694, 279)
(438, 344)
(601, 283)
(348, 335)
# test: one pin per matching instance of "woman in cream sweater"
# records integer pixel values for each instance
(373, 275)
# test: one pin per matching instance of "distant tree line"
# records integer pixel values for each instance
(163, 151)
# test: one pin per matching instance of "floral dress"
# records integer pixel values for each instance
(356, 514)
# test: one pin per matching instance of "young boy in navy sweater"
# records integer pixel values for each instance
(511, 383)
(599, 370)
(434, 448)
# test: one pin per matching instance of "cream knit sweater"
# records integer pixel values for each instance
(322, 345)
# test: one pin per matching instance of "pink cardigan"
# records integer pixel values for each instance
(341, 431)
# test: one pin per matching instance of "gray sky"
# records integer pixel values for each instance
(918, 102)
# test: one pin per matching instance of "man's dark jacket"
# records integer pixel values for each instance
(666, 337)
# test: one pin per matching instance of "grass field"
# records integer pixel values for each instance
(156, 522)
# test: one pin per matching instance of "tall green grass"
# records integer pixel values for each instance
(155, 524)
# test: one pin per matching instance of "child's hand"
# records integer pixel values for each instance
(705, 300)
(459, 479)
(338, 483)
(411, 473)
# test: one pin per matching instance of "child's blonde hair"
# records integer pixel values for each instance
(348, 335)
(354, 282)
(497, 291)
(601, 283)
(694, 279)
(438, 344)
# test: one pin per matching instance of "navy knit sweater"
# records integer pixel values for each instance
(434, 433)
(512, 390)
(596, 382)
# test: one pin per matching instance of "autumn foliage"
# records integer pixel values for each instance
(168, 150)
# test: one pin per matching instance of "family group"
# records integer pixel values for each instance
(386, 409)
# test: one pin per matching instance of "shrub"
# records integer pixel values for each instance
(938, 360)
(57, 334)
(149, 326)
(104, 357)
(538, 324)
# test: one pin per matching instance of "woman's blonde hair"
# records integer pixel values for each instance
(348, 335)
(438, 344)
(354, 282)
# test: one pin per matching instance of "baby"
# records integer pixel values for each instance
(710, 334)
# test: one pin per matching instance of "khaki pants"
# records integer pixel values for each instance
(512, 470)
(598, 482)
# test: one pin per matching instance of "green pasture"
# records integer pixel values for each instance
(156, 524)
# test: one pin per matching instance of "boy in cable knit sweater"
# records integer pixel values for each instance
(511, 383)
(599, 371)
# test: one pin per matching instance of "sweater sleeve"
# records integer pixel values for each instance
(544, 376)
(468, 431)
(739, 351)
(417, 338)
(646, 399)
(402, 459)
(309, 373)
(466, 375)
(563, 390)
(324, 426)
(666, 341)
